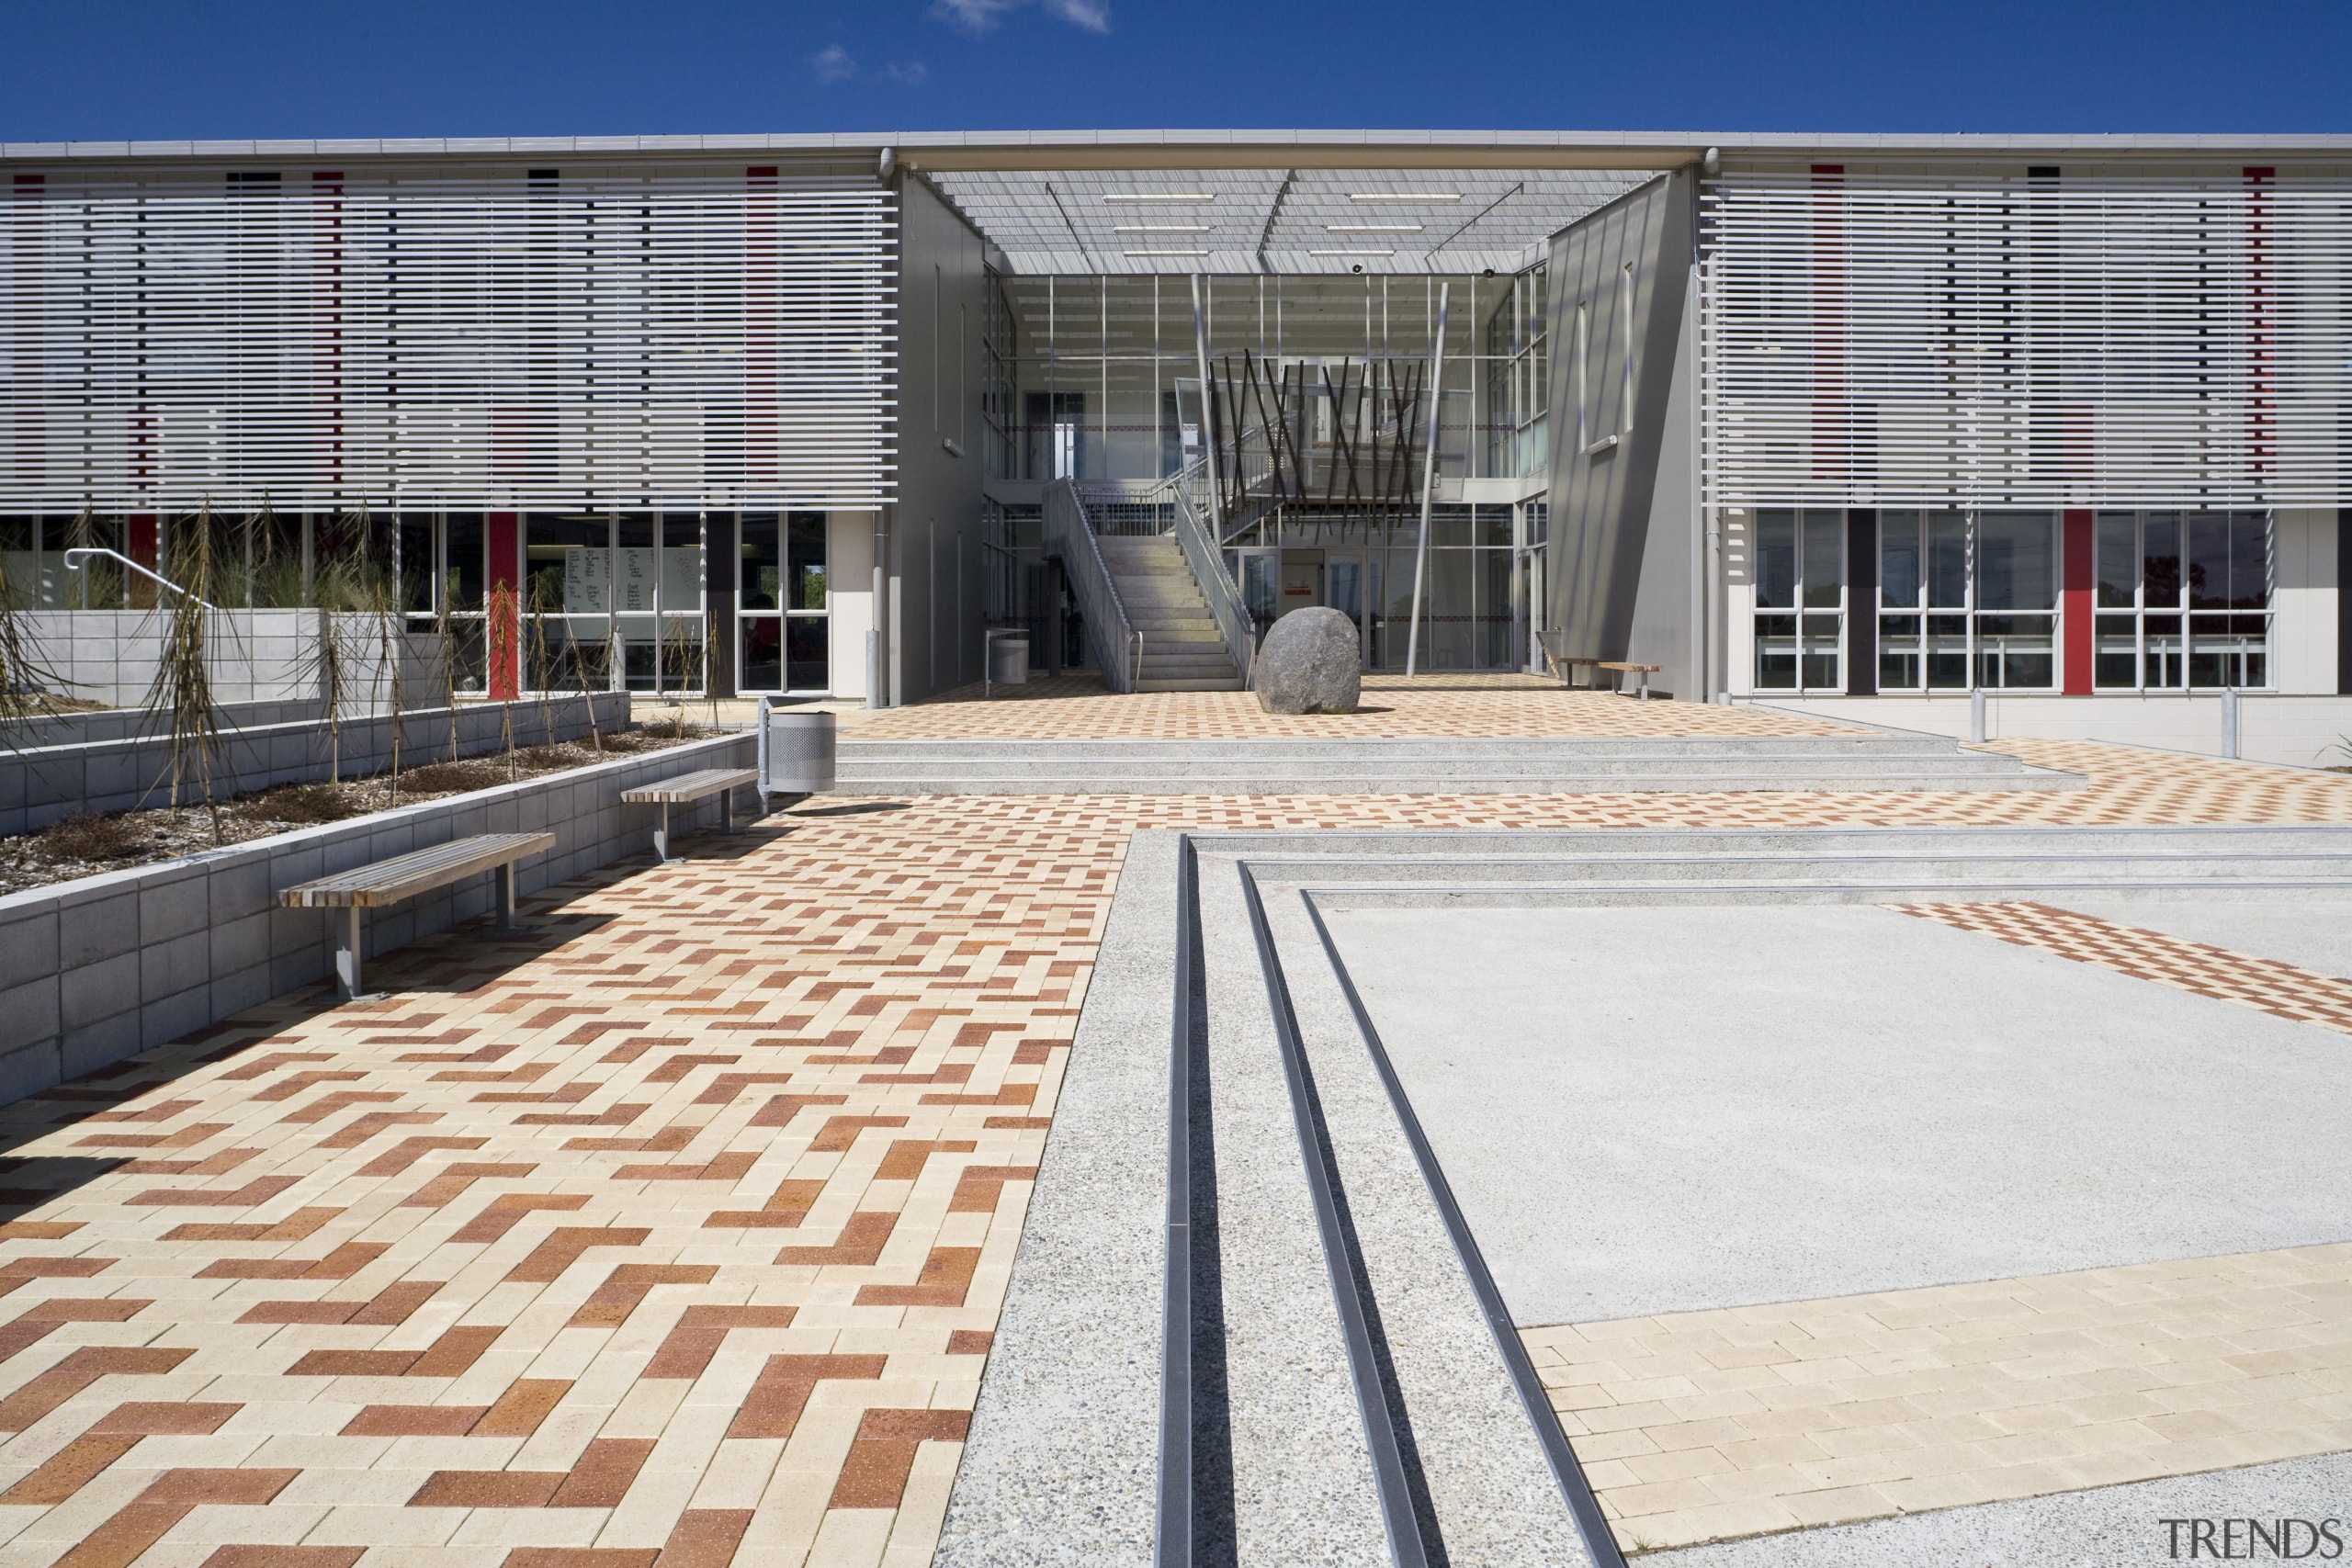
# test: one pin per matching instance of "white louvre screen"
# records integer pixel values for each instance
(509, 338)
(2049, 342)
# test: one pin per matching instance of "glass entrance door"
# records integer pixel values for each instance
(1256, 570)
(1345, 590)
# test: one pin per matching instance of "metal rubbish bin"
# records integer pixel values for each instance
(796, 750)
(1008, 660)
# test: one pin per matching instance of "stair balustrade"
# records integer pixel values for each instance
(1068, 534)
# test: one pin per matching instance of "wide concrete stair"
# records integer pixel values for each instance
(1183, 650)
(1321, 1307)
(1874, 761)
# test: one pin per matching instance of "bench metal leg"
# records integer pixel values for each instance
(346, 954)
(661, 834)
(505, 879)
(727, 811)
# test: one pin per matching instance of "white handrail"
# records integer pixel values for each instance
(81, 553)
(1200, 553)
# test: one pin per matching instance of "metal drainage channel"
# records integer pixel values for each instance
(1411, 1527)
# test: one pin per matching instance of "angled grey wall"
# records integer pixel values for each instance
(1621, 450)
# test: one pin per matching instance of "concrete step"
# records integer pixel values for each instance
(1154, 684)
(1854, 772)
(1859, 744)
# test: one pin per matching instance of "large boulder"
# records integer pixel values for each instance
(1312, 661)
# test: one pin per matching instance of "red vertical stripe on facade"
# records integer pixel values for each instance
(2075, 604)
(506, 539)
(28, 309)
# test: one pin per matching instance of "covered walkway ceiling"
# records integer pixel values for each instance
(1277, 221)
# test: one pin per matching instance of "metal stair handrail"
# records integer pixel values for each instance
(1069, 533)
(1217, 584)
(80, 555)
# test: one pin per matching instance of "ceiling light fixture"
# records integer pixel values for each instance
(1372, 228)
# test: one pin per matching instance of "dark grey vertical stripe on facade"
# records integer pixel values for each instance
(1862, 602)
(1601, 490)
(2344, 602)
(720, 556)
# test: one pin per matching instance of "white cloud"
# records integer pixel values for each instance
(910, 75)
(1094, 15)
(979, 16)
(833, 63)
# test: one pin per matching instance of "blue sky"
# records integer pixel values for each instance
(110, 69)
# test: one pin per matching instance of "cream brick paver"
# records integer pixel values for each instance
(1995, 1417)
(681, 1224)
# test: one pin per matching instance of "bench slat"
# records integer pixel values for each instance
(390, 881)
(691, 787)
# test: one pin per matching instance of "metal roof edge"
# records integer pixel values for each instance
(1673, 145)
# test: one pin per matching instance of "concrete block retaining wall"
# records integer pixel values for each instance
(100, 969)
(39, 786)
(125, 723)
(110, 656)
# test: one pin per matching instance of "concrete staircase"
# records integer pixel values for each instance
(1862, 762)
(1183, 650)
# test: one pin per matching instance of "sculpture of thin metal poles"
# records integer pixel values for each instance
(1428, 485)
(1208, 438)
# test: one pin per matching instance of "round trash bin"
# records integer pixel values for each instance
(1008, 660)
(798, 756)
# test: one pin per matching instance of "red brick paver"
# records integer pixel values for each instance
(668, 1235)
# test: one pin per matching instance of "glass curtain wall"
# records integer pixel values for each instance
(2184, 600)
(783, 613)
(1799, 601)
(1099, 378)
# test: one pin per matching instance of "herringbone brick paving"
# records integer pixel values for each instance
(673, 1231)
(2282, 990)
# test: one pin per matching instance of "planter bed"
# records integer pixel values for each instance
(102, 967)
(92, 843)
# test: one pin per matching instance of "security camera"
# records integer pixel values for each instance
(1357, 267)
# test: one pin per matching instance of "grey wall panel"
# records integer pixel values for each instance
(1667, 600)
(936, 530)
(1623, 272)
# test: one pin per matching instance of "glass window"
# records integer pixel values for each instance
(2017, 562)
(1947, 561)
(415, 572)
(2119, 560)
(808, 561)
(1898, 559)
(2217, 563)
(784, 626)
(761, 571)
(1800, 562)
(461, 560)
(1776, 559)
(567, 562)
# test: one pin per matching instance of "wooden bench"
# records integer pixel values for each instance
(1622, 669)
(1561, 664)
(687, 788)
(403, 877)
